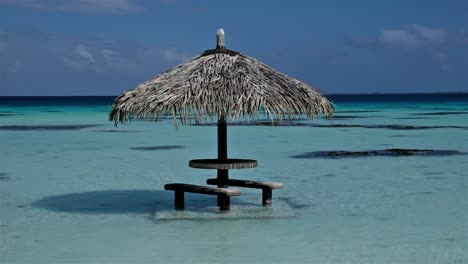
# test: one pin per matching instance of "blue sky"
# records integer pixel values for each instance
(103, 47)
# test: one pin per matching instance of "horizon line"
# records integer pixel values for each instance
(326, 94)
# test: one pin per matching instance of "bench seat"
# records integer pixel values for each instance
(266, 187)
(180, 189)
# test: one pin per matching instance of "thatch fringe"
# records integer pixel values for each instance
(221, 83)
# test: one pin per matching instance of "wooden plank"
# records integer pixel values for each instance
(201, 189)
(249, 184)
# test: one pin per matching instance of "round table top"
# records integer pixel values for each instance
(226, 164)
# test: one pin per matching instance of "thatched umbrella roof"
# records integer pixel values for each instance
(223, 83)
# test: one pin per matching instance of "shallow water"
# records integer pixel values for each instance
(73, 188)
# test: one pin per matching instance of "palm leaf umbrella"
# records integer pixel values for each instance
(220, 83)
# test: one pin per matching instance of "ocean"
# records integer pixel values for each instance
(76, 189)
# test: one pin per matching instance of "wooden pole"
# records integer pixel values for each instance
(222, 175)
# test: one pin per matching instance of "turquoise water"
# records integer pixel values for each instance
(88, 196)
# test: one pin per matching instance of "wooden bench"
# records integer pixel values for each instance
(266, 187)
(224, 194)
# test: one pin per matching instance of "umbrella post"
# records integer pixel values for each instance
(222, 175)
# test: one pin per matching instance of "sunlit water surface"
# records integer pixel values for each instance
(88, 194)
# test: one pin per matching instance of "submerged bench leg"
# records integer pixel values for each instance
(266, 196)
(179, 200)
(223, 177)
(224, 202)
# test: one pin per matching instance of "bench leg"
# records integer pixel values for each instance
(224, 202)
(266, 196)
(179, 200)
(223, 177)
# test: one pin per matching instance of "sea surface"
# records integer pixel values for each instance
(76, 189)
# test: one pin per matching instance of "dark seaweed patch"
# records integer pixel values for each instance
(4, 176)
(382, 245)
(370, 153)
(382, 218)
(346, 116)
(421, 193)
(450, 239)
(293, 204)
(352, 214)
(338, 117)
(391, 127)
(436, 178)
(117, 131)
(442, 113)
(150, 148)
(357, 111)
(10, 114)
(329, 175)
(432, 173)
(439, 108)
(46, 127)
(412, 118)
(405, 135)
(295, 124)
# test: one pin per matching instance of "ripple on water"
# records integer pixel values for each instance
(278, 210)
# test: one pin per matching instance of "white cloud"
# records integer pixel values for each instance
(81, 58)
(430, 34)
(107, 53)
(413, 36)
(47, 53)
(400, 38)
(84, 53)
(443, 60)
(98, 6)
(15, 67)
(167, 2)
(72, 63)
(3, 47)
(172, 55)
(462, 37)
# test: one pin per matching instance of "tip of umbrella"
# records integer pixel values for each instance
(220, 39)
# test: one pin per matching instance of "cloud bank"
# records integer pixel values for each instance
(413, 36)
(94, 6)
(50, 61)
